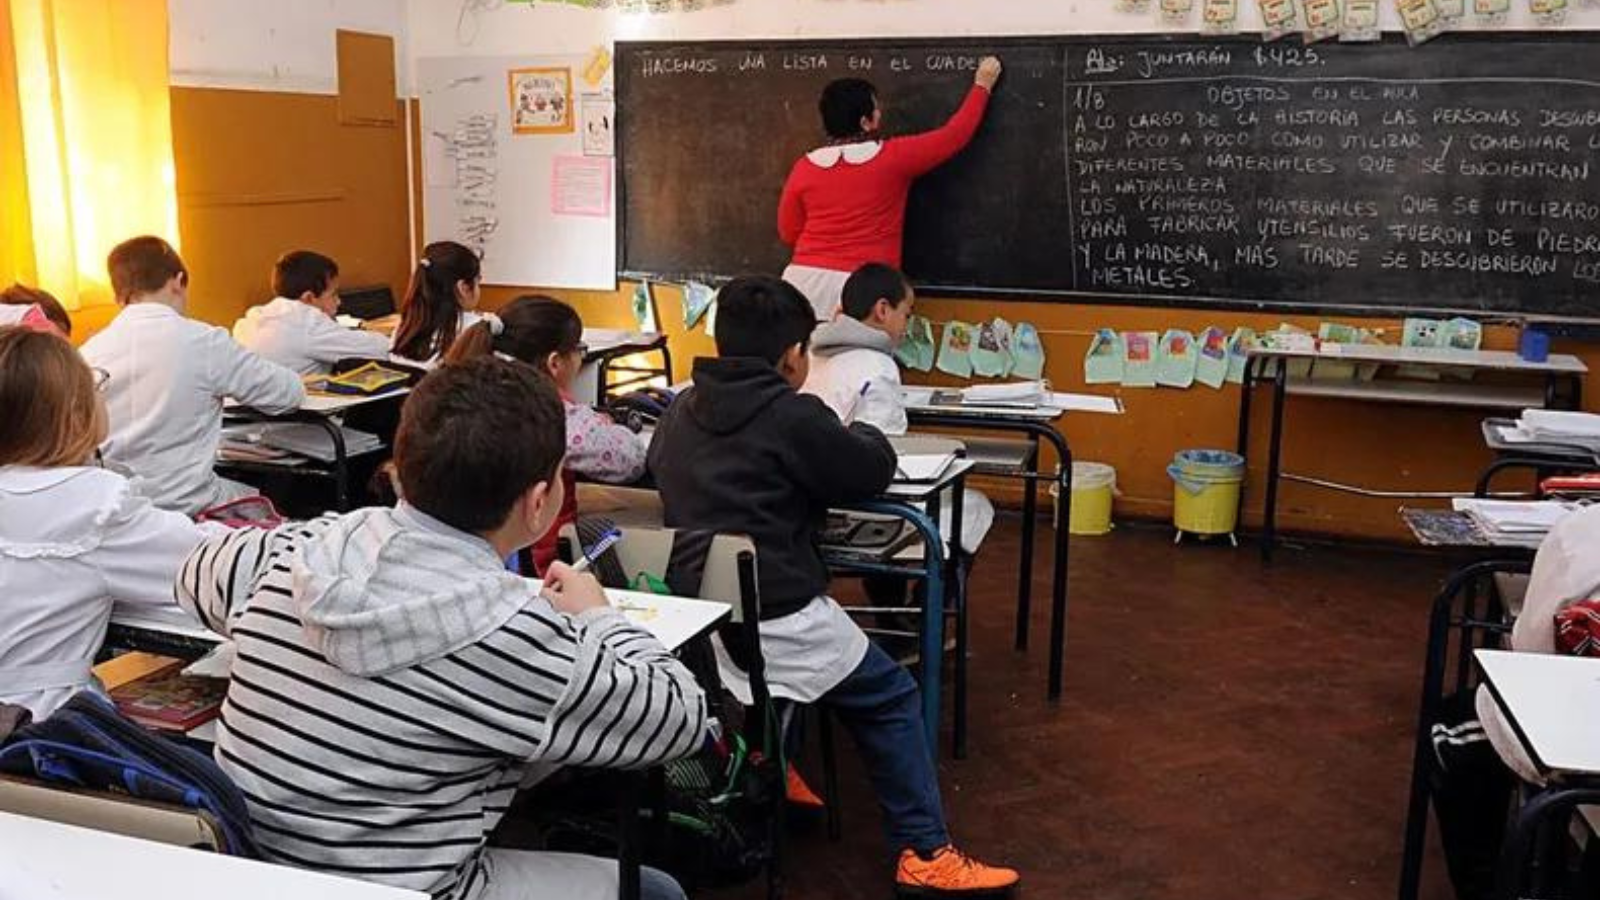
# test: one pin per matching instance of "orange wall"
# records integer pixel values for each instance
(260, 173)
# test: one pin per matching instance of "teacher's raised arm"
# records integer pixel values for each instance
(844, 204)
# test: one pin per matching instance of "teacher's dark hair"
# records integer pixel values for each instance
(763, 317)
(844, 104)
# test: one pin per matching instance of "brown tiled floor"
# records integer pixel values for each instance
(1228, 730)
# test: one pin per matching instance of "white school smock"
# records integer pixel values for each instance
(298, 336)
(72, 541)
(168, 378)
(467, 320)
(1566, 570)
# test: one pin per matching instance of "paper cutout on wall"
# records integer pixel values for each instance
(1027, 352)
(1176, 364)
(1211, 369)
(1422, 333)
(916, 349)
(991, 352)
(1462, 334)
(594, 71)
(1103, 363)
(1239, 346)
(1140, 358)
(697, 299)
(955, 350)
(644, 307)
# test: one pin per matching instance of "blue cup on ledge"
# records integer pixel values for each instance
(1533, 345)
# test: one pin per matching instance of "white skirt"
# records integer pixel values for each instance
(823, 287)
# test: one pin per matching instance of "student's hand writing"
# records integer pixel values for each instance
(988, 72)
(572, 592)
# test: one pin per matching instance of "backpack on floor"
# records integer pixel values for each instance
(87, 744)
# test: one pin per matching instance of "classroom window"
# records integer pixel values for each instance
(85, 139)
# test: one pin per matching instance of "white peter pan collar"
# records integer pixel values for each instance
(854, 154)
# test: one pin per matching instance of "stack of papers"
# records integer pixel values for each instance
(314, 441)
(1550, 426)
(1017, 393)
(1024, 395)
(922, 467)
(1514, 522)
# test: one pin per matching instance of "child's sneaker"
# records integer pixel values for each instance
(948, 872)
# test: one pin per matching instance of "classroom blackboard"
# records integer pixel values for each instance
(1462, 175)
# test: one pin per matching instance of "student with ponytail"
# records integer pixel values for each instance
(439, 304)
(548, 335)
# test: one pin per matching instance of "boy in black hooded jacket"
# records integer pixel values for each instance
(744, 452)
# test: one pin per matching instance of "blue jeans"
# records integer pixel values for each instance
(882, 708)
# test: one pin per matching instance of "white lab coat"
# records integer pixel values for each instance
(1566, 570)
(168, 378)
(847, 355)
(72, 541)
(299, 336)
(467, 320)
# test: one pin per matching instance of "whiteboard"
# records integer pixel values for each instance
(476, 167)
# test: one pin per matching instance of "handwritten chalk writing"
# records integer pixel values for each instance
(1236, 98)
(1525, 169)
(1156, 120)
(899, 64)
(1162, 203)
(1366, 209)
(804, 62)
(678, 65)
(1193, 224)
(1288, 57)
(1141, 277)
(1551, 241)
(1195, 254)
(1096, 206)
(753, 62)
(1405, 117)
(1570, 210)
(1091, 229)
(1192, 184)
(1224, 141)
(1099, 62)
(1586, 270)
(1475, 116)
(1138, 140)
(1329, 257)
(1408, 140)
(1299, 228)
(1294, 140)
(1262, 255)
(860, 63)
(1412, 205)
(1427, 233)
(1466, 206)
(1339, 118)
(952, 64)
(1302, 165)
(1568, 118)
(1131, 165)
(1512, 264)
(1148, 62)
(1515, 142)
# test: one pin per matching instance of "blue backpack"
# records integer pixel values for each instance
(87, 744)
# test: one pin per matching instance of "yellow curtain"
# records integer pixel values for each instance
(85, 139)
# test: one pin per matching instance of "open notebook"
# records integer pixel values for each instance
(922, 467)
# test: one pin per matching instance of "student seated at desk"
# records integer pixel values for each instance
(20, 304)
(1566, 570)
(297, 329)
(548, 335)
(742, 451)
(73, 537)
(439, 304)
(853, 370)
(167, 378)
(393, 680)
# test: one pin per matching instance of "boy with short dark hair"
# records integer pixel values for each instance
(297, 329)
(394, 681)
(167, 378)
(743, 451)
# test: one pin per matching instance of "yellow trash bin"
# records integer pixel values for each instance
(1094, 487)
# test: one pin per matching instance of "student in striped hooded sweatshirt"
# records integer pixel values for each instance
(394, 681)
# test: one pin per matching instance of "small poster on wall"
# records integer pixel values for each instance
(541, 100)
(599, 125)
(580, 186)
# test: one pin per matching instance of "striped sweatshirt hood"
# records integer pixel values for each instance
(387, 589)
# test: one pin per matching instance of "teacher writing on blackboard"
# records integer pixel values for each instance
(844, 204)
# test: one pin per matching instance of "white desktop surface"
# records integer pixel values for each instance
(44, 860)
(1504, 360)
(1551, 701)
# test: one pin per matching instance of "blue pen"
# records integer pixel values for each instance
(606, 542)
(850, 415)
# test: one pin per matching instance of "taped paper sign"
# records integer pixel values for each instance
(955, 351)
(1211, 369)
(1140, 358)
(1027, 352)
(1178, 360)
(644, 308)
(916, 349)
(1103, 363)
(991, 354)
(697, 300)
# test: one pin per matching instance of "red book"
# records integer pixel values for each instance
(168, 700)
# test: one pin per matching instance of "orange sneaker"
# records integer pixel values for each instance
(796, 791)
(951, 873)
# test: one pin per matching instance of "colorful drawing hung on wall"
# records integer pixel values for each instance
(541, 100)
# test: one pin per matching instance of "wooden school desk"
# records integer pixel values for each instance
(1036, 424)
(45, 859)
(1549, 701)
(1271, 365)
(321, 410)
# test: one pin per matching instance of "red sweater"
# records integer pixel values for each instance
(840, 211)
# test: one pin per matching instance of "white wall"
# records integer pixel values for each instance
(276, 45)
(492, 28)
